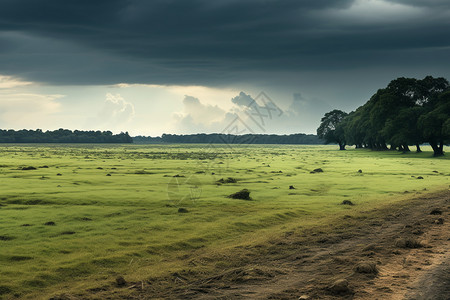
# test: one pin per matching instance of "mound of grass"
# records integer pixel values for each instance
(120, 281)
(28, 168)
(4, 289)
(436, 211)
(347, 202)
(227, 180)
(20, 258)
(242, 194)
(339, 287)
(366, 268)
(410, 243)
(143, 172)
(69, 232)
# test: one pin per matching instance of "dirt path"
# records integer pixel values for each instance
(400, 252)
(435, 284)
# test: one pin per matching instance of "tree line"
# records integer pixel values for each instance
(219, 138)
(408, 112)
(62, 136)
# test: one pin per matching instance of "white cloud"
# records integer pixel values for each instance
(209, 95)
(25, 110)
(115, 115)
(8, 82)
(116, 110)
(375, 12)
(199, 117)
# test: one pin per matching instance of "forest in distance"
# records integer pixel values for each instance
(68, 137)
(221, 138)
(64, 136)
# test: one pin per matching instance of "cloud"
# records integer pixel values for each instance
(424, 3)
(242, 100)
(215, 42)
(206, 113)
(250, 116)
(21, 110)
(9, 82)
(116, 110)
(307, 112)
(199, 117)
(116, 115)
(366, 12)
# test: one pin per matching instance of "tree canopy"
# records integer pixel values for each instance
(62, 136)
(407, 112)
(330, 129)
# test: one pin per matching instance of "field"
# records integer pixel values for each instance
(74, 218)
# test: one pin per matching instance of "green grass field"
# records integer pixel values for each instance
(115, 207)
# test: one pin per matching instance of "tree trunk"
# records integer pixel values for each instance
(441, 148)
(406, 148)
(418, 148)
(438, 152)
(341, 146)
(438, 149)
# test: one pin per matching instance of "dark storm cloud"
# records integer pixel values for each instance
(207, 42)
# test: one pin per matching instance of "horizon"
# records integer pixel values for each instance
(156, 136)
(185, 67)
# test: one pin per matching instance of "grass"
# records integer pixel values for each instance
(115, 207)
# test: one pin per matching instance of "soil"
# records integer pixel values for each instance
(361, 261)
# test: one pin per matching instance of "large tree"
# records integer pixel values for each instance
(435, 124)
(330, 129)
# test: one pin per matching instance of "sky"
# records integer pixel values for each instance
(196, 66)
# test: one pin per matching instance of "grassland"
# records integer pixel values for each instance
(85, 214)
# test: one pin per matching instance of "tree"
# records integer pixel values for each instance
(351, 129)
(329, 129)
(402, 130)
(435, 124)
